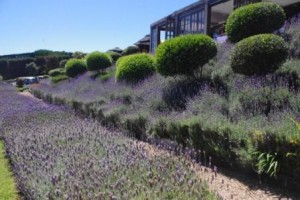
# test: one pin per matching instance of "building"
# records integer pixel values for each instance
(204, 16)
(144, 44)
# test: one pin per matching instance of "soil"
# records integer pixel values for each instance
(231, 185)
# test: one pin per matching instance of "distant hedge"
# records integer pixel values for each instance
(184, 54)
(57, 71)
(131, 50)
(114, 55)
(62, 63)
(75, 67)
(135, 67)
(97, 61)
(253, 19)
(259, 54)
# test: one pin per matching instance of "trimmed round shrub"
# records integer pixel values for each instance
(98, 61)
(75, 67)
(253, 19)
(131, 50)
(114, 55)
(62, 63)
(57, 71)
(19, 82)
(260, 54)
(184, 54)
(135, 67)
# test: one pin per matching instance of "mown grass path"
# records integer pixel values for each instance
(8, 189)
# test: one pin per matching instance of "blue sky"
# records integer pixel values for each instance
(78, 25)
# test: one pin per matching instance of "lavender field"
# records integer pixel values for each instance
(247, 123)
(56, 155)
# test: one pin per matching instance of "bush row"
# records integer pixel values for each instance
(230, 145)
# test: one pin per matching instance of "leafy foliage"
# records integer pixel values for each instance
(57, 71)
(62, 63)
(75, 67)
(267, 163)
(135, 67)
(114, 55)
(292, 34)
(253, 19)
(97, 61)
(19, 83)
(31, 69)
(184, 54)
(260, 54)
(59, 78)
(130, 50)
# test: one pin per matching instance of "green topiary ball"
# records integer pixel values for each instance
(114, 55)
(184, 54)
(135, 67)
(98, 61)
(75, 67)
(57, 71)
(62, 63)
(253, 19)
(260, 54)
(131, 50)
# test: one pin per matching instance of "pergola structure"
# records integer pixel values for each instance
(204, 16)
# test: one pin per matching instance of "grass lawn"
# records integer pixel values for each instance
(7, 184)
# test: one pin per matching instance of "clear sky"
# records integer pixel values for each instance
(78, 25)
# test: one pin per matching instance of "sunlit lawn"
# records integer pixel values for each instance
(7, 183)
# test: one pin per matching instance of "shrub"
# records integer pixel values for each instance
(259, 54)
(134, 68)
(254, 19)
(97, 61)
(19, 83)
(184, 54)
(62, 63)
(57, 71)
(1, 78)
(31, 69)
(136, 125)
(293, 37)
(290, 73)
(261, 101)
(75, 67)
(114, 55)
(131, 50)
(58, 78)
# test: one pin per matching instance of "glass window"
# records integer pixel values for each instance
(201, 21)
(194, 23)
(188, 24)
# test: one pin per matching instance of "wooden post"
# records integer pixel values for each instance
(207, 18)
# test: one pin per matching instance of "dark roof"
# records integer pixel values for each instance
(144, 41)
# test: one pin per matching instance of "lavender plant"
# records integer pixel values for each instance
(56, 155)
(221, 114)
